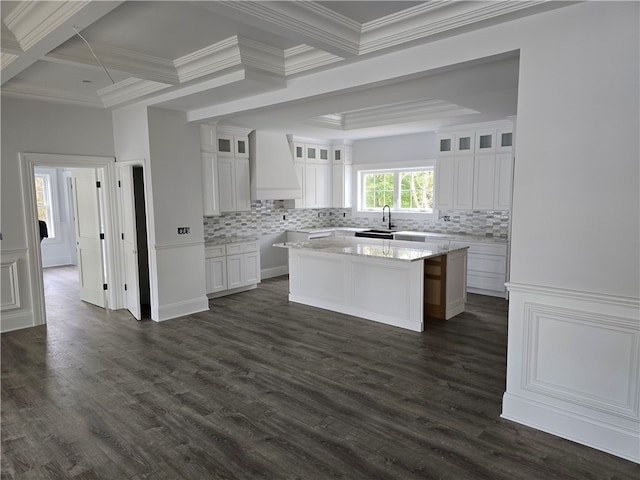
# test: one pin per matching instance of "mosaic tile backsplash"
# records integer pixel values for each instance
(271, 217)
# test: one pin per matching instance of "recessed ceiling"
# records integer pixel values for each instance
(192, 56)
(364, 11)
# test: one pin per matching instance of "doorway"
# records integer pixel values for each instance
(104, 170)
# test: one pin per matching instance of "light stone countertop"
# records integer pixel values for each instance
(443, 236)
(373, 247)
(226, 240)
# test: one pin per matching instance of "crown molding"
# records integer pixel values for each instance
(304, 57)
(46, 94)
(422, 21)
(232, 52)
(6, 59)
(128, 90)
(262, 57)
(208, 60)
(403, 112)
(30, 22)
(309, 19)
(137, 64)
(10, 45)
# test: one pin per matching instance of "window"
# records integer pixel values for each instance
(404, 190)
(43, 200)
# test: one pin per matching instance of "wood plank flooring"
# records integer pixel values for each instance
(259, 388)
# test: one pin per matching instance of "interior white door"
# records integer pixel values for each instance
(88, 243)
(129, 241)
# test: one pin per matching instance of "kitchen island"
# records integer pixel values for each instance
(389, 281)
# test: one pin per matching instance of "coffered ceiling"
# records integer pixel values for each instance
(192, 56)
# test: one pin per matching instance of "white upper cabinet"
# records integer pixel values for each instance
(486, 141)
(233, 145)
(446, 144)
(444, 183)
(298, 151)
(210, 189)
(454, 183)
(341, 186)
(493, 180)
(225, 144)
(463, 182)
(475, 168)
(233, 181)
(342, 154)
(311, 152)
(484, 182)
(464, 143)
(208, 138)
(504, 140)
(503, 181)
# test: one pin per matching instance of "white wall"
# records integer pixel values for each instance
(574, 335)
(30, 126)
(177, 270)
(400, 148)
(575, 222)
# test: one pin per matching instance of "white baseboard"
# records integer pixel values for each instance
(274, 272)
(16, 321)
(577, 428)
(180, 309)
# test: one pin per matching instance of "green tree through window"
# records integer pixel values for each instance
(403, 190)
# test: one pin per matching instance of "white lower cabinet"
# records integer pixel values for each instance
(232, 268)
(486, 268)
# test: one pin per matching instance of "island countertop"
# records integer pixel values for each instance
(373, 247)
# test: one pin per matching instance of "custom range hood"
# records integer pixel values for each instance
(273, 174)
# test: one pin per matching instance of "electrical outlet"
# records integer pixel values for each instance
(184, 230)
(446, 218)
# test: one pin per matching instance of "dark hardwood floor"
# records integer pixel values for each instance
(261, 388)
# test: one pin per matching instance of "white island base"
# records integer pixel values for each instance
(390, 291)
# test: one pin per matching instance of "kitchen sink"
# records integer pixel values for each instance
(385, 234)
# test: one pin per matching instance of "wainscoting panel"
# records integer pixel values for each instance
(573, 366)
(15, 281)
(10, 286)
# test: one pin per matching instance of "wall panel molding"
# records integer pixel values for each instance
(573, 366)
(11, 295)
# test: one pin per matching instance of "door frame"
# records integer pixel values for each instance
(105, 167)
(137, 162)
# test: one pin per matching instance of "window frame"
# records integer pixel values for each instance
(360, 212)
(49, 194)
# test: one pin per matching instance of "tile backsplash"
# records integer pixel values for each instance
(273, 216)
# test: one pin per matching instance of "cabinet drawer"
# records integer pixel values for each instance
(235, 248)
(251, 247)
(487, 263)
(215, 251)
(486, 281)
(487, 249)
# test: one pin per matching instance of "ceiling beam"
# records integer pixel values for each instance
(40, 27)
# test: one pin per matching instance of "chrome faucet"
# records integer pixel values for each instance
(384, 218)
